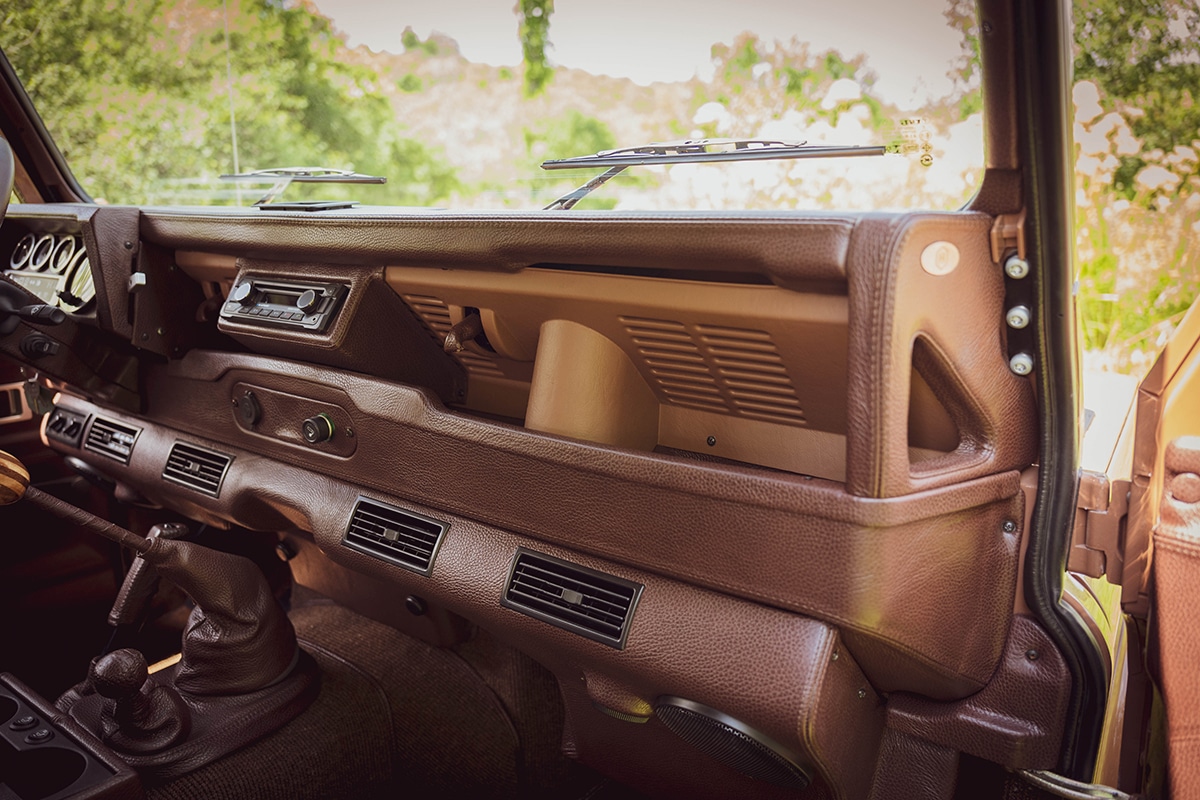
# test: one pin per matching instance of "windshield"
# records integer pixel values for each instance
(457, 103)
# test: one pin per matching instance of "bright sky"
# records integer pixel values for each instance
(908, 43)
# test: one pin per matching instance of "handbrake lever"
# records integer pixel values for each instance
(141, 582)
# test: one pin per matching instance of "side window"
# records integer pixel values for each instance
(1137, 138)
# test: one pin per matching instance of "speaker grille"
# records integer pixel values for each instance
(731, 742)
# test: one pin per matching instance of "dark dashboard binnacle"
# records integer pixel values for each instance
(757, 463)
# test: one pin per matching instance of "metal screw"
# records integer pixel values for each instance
(1017, 317)
(234, 401)
(1032, 655)
(1016, 267)
(712, 441)
(862, 694)
(1010, 526)
(1021, 363)
(350, 432)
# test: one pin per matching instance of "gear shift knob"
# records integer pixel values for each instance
(14, 479)
(119, 674)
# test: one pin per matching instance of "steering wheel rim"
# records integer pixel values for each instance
(8, 169)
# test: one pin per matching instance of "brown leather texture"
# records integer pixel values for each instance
(1016, 720)
(805, 545)
(792, 249)
(958, 316)
(1176, 598)
(110, 234)
(914, 769)
(373, 333)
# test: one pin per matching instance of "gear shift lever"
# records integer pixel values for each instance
(241, 673)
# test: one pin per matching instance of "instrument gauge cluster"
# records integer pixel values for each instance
(55, 267)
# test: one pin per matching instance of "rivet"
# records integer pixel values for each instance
(129, 245)
(862, 694)
(835, 655)
(1010, 526)
(145, 337)
(160, 331)
(350, 432)
(987, 28)
(1016, 267)
(1032, 654)
(712, 441)
(1021, 363)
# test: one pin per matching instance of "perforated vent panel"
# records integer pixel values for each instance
(576, 598)
(731, 742)
(712, 368)
(394, 535)
(196, 468)
(111, 439)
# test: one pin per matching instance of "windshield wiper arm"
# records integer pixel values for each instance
(693, 151)
(286, 176)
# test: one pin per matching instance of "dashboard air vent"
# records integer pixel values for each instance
(572, 597)
(111, 439)
(196, 468)
(394, 535)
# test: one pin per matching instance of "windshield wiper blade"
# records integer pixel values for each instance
(695, 151)
(286, 176)
(711, 150)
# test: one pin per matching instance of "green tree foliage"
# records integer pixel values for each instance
(137, 95)
(533, 28)
(1145, 57)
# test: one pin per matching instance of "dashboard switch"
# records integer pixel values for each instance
(317, 429)
(249, 410)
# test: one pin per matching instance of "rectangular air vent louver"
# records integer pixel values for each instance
(196, 468)
(572, 597)
(111, 439)
(392, 534)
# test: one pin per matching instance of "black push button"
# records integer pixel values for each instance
(24, 723)
(39, 736)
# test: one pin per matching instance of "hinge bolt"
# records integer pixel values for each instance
(1017, 317)
(1016, 267)
(1021, 363)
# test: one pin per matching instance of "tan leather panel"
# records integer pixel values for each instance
(798, 544)
(1177, 596)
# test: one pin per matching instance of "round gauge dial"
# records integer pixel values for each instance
(80, 286)
(41, 253)
(22, 252)
(64, 251)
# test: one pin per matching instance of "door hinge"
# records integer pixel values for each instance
(1008, 232)
(1098, 540)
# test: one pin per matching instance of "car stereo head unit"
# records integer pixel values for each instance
(290, 304)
